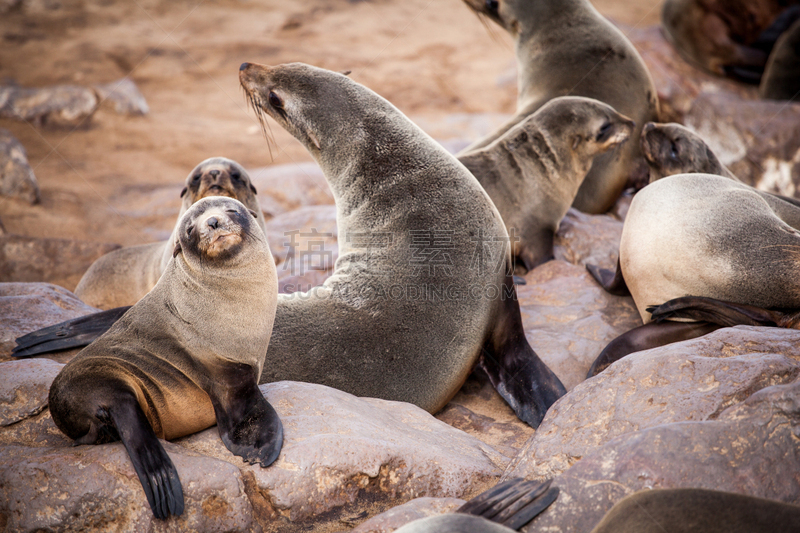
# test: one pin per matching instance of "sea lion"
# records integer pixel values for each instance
(781, 80)
(422, 289)
(728, 38)
(565, 47)
(533, 172)
(122, 277)
(188, 354)
(716, 241)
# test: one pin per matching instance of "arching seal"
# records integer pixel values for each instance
(565, 47)
(781, 80)
(123, 276)
(422, 288)
(705, 237)
(729, 38)
(187, 355)
(533, 172)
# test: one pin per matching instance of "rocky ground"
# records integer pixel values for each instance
(719, 412)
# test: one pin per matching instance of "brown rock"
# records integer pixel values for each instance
(26, 307)
(337, 447)
(692, 380)
(752, 448)
(16, 176)
(569, 318)
(59, 261)
(759, 141)
(284, 188)
(24, 386)
(124, 96)
(584, 239)
(401, 515)
(59, 105)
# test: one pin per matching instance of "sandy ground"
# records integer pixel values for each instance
(430, 58)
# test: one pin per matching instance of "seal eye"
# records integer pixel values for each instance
(189, 231)
(235, 175)
(195, 178)
(492, 6)
(673, 150)
(605, 131)
(275, 100)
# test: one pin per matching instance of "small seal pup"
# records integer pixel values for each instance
(565, 47)
(123, 276)
(671, 149)
(413, 303)
(188, 354)
(533, 172)
(781, 80)
(729, 247)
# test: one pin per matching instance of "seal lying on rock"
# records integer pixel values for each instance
(729, 247)
(422, 289)
(123, 276)
(565, 47)
(533, 172)
(185, 356)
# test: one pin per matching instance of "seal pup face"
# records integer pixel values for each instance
(217, 176)
(674, 149)
(520, 16)
(215, 228)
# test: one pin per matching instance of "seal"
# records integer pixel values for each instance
(187, 355)
(714, 240)
(124, 276)
(533, 172)
(423, 288)
(671, 149)
(732, 38)
(781, 80)
(566, 48)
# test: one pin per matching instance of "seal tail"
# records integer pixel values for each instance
(74, 333)
(512, 503)
(725, 314)
(518, 374)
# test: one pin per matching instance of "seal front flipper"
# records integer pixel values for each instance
(248, 425)
(74, 333)
(611, 281)
(512, 503)
(722, 313)
(651, 335)
(156, 472)
(521, 378)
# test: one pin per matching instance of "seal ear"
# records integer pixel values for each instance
(253, 188)
(253, 213)
(576, 141)
(346, 72)
(312, 136)
(184, 191)
(177, 249)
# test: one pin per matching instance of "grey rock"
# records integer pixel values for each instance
(59, 261)
(751, 448)
(26, 307)
(401, 515)
(337, 447)
(59, 105)
(124, 96)
(16, 175)
(24, 386)
(569, 318)
(687, 381)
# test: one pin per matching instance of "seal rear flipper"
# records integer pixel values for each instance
(521, 378)
(74, 333)
(248, 425)
(155, 470)
(726, 314)
(611, 281)
(651, 335)
(512, 503)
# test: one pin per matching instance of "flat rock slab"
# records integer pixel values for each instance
(59, 105)
(584, 239)
(24, 386)
(59, 261)
(123, 96)
(569, 318)
(752, 448)
(686, 381)
(26, 307)
(401, 515)
(16, 175)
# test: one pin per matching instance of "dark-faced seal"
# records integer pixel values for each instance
(717, 241)
(729, 38)
(533, 172)
(565, 47)
(188, 354)
(422, 288)
(671, 149)
(781, 80)
(123, 276)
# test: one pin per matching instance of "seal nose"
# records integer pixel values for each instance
(244, 66)
(214, 173)
(213, 222)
